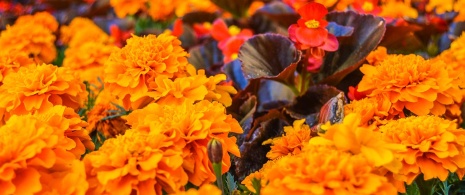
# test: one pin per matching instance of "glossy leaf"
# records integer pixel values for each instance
(207, 56)
(273, 17)
(309, 104)
(402, 39)
(270, 56)
(198, 17)
(234, 72)
(368, 32)
(273, 95)
(253, 152)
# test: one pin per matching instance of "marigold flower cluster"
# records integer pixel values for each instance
(83, 30)
(11, 61)
(88, 49)
(292, 142)
(39, 88)
(158, 10)
(411, 82)
(435, 147)
(196, 124)
(155, 68)
(33, 35)
(323, 170)
(40, 153)
(166, 147)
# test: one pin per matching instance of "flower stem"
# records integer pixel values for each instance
(219, 177)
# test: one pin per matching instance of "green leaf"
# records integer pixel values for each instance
(427, 187)
(412, 189)
(230, 183)
(60, 56)
(257, 185)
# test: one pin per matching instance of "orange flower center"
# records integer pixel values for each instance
(367, 6)
(312, 24)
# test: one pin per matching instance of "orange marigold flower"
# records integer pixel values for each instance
(128, 70)
(458, 7)
(376, 56)
(398, 9)
(78, 139)
(11, 61)
(325, 170)
(435, 147)
(196, 124)
(32, 38)
(109, 127)
(38, 88)
(372, 110)
(454, 57)
(290, 143)
(127, 7)
(145, 162)
(34, 158)
(356, 138)
(204, 189)
(440, 6)
(162, 9)
(83, 30)
(411, 82)
(187, 6)
(88, 60)
(44, 18)
(191, 88)
(455, 60)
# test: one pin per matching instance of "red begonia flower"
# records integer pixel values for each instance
(310, 30)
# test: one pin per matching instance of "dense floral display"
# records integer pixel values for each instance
(232, 97)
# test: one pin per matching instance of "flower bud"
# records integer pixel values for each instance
(215, 151)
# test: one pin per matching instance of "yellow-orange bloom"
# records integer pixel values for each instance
(372, 110)
(397, 9)
(77, 138)
(127, 7)
(34, 158)
(162, 9)
(43, 18)
(204, 189)
(411, 82)
(290, 143)
(351, 136)
(187, 6)
(128, 70)
(435, 146)
(458, 7)
(325, 170)
(138, 161)
(376, 56)
(191, 88)
(196, 124)
(88, 60)
(455, 60)
(32, 38)
(38, 88)
(11, 61)
(83, 30)
(440, 6)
